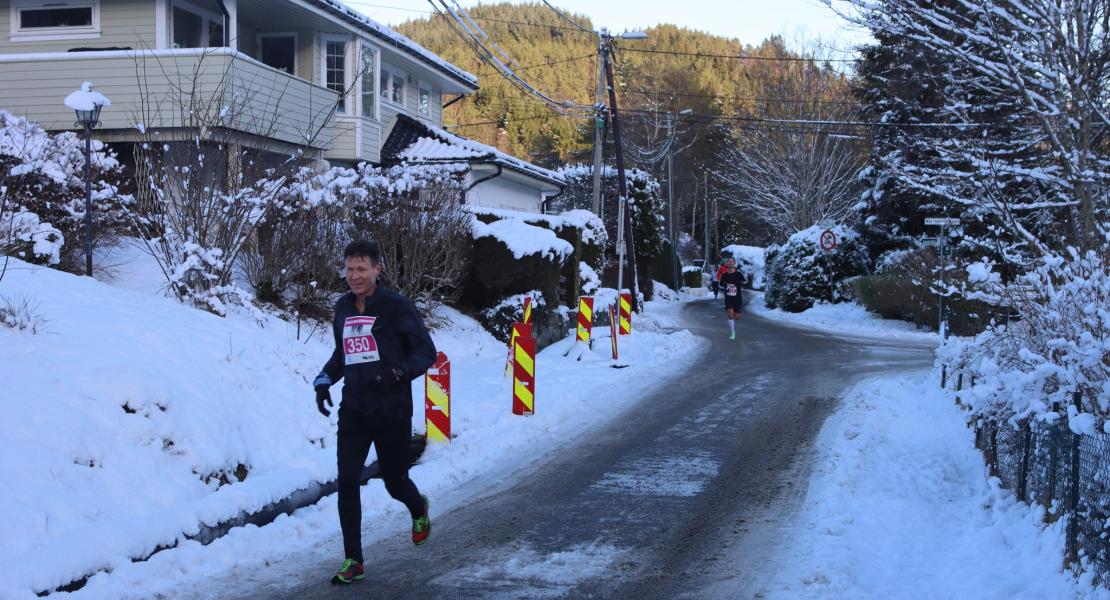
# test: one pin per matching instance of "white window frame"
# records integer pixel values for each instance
(206, 16)
(37, 34)
(348, 42)
(373, 73)
(283, 34)
(424, 85)
(393, 73)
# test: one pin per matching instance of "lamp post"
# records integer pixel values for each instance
(86, 103)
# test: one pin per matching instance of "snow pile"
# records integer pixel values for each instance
(59, 157)
(845, 318)
(86, 98)
(444, 145)
(116, 453)
(749, 260)
(589, 280)
(898, 507)
(524, 239)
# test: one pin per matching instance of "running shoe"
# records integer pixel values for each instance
(422, 526)
(350, 572)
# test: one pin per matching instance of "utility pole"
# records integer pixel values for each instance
(670, 200)
(599, 125)
(706, 185)
(628, 249)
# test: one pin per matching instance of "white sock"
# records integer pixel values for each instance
(732, 326)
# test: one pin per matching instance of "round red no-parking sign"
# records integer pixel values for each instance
(827, 240)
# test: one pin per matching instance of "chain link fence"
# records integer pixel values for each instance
(1042, 461)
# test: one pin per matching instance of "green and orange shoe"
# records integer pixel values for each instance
(350, 572)
(422, 526)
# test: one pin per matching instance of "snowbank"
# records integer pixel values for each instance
(845, 318)
(524, 239)
(130, 419)
(899, 507)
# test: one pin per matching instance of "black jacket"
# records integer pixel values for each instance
(401, 342)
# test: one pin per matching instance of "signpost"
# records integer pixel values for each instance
(827, 240)
(942, 250)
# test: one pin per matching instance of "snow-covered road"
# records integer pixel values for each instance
(707, 464)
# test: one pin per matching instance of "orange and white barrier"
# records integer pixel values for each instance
(524, 374)
(585, 318)
(437, 400)
(626, 314)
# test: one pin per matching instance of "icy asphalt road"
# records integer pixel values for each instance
(660, 504)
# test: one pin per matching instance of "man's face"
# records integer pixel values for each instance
(730, 264)
(362, 274)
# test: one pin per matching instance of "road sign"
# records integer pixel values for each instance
(942, 221)
(827, 240)
(931, 241)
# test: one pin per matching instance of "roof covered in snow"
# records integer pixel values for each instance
(398, 41)
(412, 141)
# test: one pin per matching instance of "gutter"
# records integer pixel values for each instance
(500, 170)
(543, 207)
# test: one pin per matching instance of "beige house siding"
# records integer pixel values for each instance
(123, 24)
(258, 100)
(371, 141)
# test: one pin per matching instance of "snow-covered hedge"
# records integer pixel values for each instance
(42, 194)
(499, 319)
(749, 261)
(1060, 344)
(798, 274)
(646, 207)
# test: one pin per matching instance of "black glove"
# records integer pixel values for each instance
(323, 396)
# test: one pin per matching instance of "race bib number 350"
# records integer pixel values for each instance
(359, 345)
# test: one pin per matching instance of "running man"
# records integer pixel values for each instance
(731, 282)
(381, 345)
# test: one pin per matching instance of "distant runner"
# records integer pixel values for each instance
(731, 282)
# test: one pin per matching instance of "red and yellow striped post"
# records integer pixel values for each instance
(524, 376)
(437, 400)
(613, 328)
(585, 318)
(626, 314)
(527, 311)
(519, 329)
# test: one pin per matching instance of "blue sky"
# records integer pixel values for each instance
(750, 21)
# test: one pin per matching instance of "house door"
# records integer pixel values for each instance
(279, 51)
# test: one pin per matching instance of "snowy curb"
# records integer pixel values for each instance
(301, 498)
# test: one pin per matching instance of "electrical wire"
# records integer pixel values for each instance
(568, 19)
(546, 64)
(741, 56)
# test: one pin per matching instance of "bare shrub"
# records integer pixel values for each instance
(22, 314)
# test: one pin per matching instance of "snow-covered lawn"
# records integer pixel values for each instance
(900, 506)
(114, 415)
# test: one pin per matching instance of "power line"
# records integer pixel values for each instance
(750, 99)
(546, 64)
(517, 119)
(576, 24)
(738, 56)
(490, 19)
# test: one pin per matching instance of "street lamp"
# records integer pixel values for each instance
(86, 103)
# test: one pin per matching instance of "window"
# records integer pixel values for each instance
(424, 106)
(278, 50)
(194, 27)
(393, 86)
(36, 18)
(369, 97)
(335, 68)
